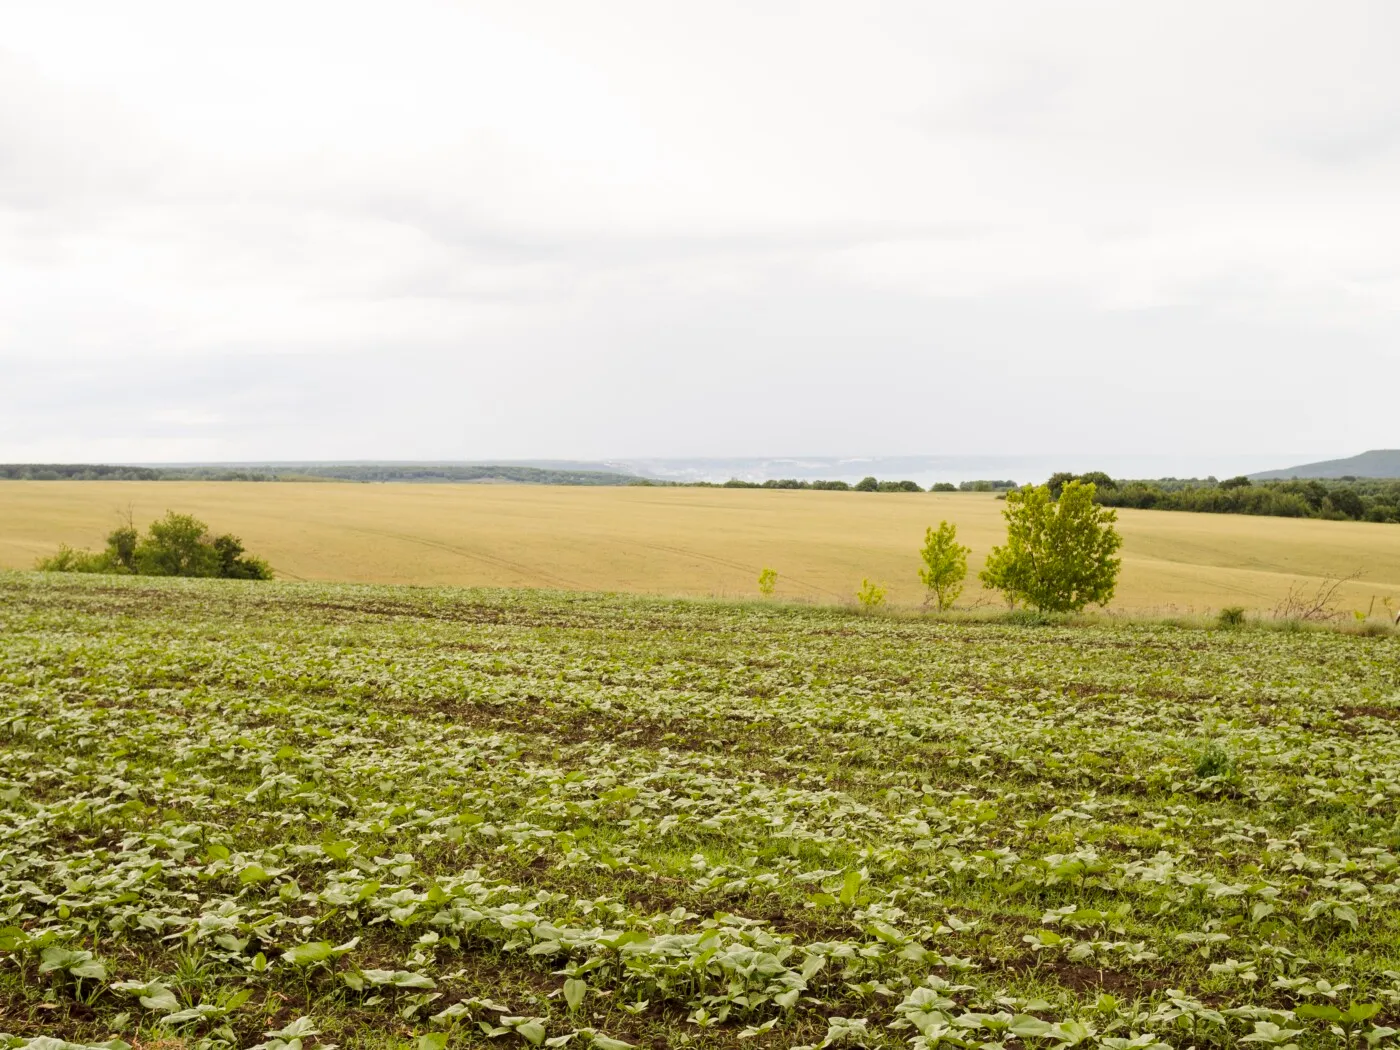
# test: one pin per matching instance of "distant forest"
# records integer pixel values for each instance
(1343, 499)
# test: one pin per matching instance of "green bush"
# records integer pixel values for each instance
(176, 545)
(69, 559)
(867, 484)
(1059, 554)
(943, 486)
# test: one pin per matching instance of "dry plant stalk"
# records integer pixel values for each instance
(1315, 606)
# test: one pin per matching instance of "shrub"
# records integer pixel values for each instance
(870, 595)
(1059, 554)
(177, 545)
(867, 484)
(69, 559)
(235, 565)
(767, 581)
(1231, 616)
(945, 564)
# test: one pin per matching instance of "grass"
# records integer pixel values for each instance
(393, 817)
(693, 541)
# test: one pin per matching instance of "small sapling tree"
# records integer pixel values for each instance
(1059, 554)
(767, 581)
(945, 564)
(871, 595)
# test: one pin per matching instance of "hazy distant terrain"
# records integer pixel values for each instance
(926, 470)
(1377, 463)
(541, 473)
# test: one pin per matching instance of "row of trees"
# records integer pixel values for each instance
(866, 484)
(1343, 499)
(176, 545)
(1060, 552)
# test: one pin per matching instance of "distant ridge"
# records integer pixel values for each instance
(429, 473)
(1377, 463)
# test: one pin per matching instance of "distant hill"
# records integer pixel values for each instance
(439, 473)
(1378, 463)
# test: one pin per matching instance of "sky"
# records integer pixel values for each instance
(436, 230)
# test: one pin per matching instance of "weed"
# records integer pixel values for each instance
(1215, 761)
(1231, 616)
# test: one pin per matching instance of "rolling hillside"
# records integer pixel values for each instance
(1377, 463)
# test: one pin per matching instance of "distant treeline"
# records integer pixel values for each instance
(427, 473)
(867, 484)
(445, 474)
(1345, 499)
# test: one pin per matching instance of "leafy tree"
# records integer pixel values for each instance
(1059, 554)
(943, 486)
(767, 581)
(235, 565)
(177, 545)
(867, 484)
(985, 486)
(1058, 481)
(945, 564)
(121, 547)
(1101, 481)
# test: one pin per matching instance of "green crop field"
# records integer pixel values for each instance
(295, 815)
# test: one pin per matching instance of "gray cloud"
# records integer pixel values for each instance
(528, 229)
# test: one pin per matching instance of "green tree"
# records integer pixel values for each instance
(767, 581)
(235, 565)
(945, 564)
(121, 548)
(867, 484)
(1059, 554)
(177, 545)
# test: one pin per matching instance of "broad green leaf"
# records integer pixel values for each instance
(574, 991)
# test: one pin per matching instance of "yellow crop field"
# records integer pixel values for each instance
(689, 541)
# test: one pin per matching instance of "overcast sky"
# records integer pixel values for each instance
(575, 230)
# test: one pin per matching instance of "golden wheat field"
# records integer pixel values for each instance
(689, 541)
